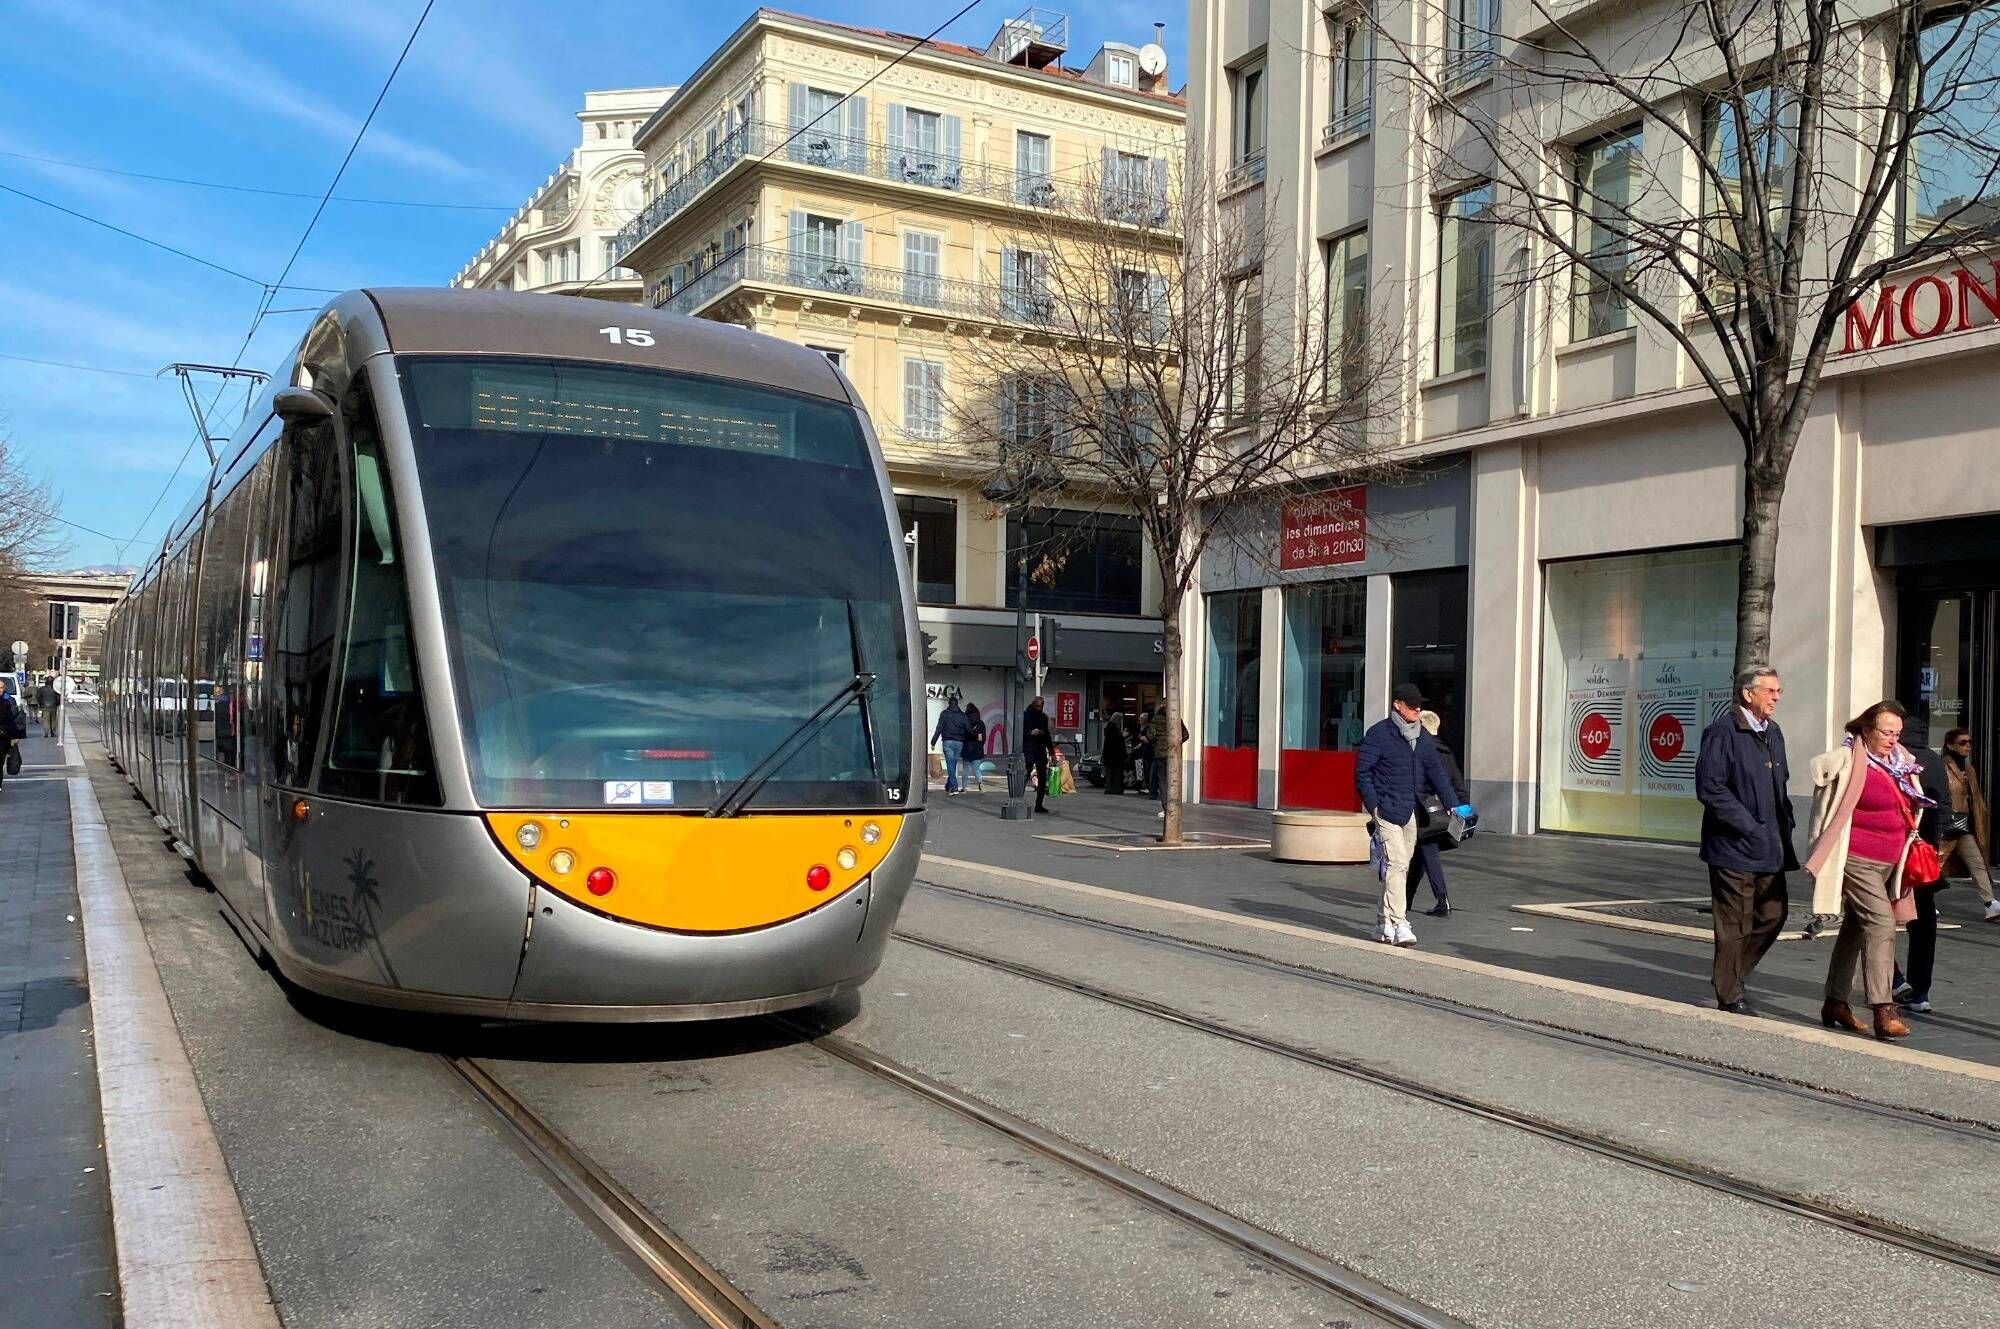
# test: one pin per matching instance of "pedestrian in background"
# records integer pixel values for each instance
(1395, 767)
(1035, 747)
(1114, 753)
(974, 750)
(949, 734)
(1741, 777)
(1148, 720)
(1428, 861)
(1913, 990)
(49, 701)
(1964, 840)
(13, 725)
(1165, 749)
(1864, 821)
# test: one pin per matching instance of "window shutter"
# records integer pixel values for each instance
(1009, 388)
(1024, 160)
(910, 415)
(796, 238)
(951, 141)
(894, 136)
(1159, 190)
(850, 245)
(798, 95)
(1107, 179)
(857, 133)
(1156, 302)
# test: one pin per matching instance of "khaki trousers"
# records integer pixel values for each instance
(1399, 845)
(1966, 850)
(1867, 937)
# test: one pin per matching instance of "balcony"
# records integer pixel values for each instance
(860, 281)
(1248, 170)
(904, 164)
(1350, 123)
(1468, 62)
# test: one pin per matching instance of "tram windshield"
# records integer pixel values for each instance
(650, 581)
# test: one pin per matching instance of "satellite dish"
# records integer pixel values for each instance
(1152, 60)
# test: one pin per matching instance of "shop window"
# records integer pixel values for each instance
(935, 522)
(1083, 562)
(1636, 662)
(1767, 129)
(1346, 317)
(1948, 186)
(1321, 717)
(1229, 730)
(1605, 172)
(1427, 630)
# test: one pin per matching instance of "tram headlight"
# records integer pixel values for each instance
(846, 858)
(870, 832)
(529, 835)
(561, 862)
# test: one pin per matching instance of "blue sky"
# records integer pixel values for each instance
(268, 94)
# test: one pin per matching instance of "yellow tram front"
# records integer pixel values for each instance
(678, 645)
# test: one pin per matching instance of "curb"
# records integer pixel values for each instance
(185, 1256)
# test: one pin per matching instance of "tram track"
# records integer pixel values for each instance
(1908, 1239)
(1828, 1097)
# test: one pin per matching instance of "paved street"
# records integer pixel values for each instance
(55, 1230)
(1453, 1139)
(1488, 878)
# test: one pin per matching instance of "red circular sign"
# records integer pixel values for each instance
(1667, 738)
(1034, 648)
(1594, 735)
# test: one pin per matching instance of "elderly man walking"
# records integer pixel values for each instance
(1398, 765)
(1746, 831)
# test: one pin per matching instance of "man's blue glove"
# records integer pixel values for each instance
(1463, 809)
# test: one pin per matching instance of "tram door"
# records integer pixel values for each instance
(1948, 668)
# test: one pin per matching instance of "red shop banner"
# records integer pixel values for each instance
(1069, 710)
(1325, 529)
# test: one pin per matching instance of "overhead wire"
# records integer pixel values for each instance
(252, 189)
(264, 309)
(70, 364)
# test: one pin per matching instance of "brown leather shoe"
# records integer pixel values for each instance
(1839, 1015)
(1889, 1024)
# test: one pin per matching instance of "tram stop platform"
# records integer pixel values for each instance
(186, 1145)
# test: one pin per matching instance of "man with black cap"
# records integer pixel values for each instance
(1397, 766)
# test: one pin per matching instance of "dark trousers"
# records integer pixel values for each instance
(1749, 914)
(1923, 942)
(1428, 861)
(1038, 771)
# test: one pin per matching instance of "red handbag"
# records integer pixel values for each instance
(1920, 862)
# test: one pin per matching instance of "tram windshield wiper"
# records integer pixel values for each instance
(737, 795)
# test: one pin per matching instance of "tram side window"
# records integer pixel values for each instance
(380, 747)
(299, 647)
(218, 655)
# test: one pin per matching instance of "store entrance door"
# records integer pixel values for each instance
(1948, 664)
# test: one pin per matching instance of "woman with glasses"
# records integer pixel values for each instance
(1964, 821)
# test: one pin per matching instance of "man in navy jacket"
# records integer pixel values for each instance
(1396, 767)
(1746, 831)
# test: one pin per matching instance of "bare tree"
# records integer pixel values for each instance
(1156, 355)
(1789, 156)
(27, 529)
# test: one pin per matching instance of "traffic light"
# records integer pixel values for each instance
(1051, 642)
(65, 621)
(930, 647)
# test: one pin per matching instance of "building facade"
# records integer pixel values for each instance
(1561, 576)
(883, 228)
(91, 594)
(561, 239)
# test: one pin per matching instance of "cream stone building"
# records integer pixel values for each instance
(1562, 582)
(885, 227)
(561, 239)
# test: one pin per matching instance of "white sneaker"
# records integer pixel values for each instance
(1385, 933)
(1993, 911)
(1903, 990)
(1404, 936)
(1920, 1007)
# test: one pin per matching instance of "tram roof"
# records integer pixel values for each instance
(443, 321)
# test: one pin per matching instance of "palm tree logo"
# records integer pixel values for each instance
(366, 903)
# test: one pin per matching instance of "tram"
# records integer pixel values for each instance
(554, 670)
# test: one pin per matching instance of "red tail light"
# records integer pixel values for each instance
(600, 881)
(818, 877)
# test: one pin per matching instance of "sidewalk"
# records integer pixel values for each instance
(56, 1249)
(1490, 879)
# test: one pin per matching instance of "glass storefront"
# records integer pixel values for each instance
(1229, 757)
(1321, 720)
(1636, 660)
(1428, 625)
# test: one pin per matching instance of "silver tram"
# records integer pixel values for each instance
(549, 669)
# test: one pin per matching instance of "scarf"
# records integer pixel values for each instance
(1901, 767)
(1409, 729)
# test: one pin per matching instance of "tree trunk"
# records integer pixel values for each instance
(1757, 574)
(1170, 691)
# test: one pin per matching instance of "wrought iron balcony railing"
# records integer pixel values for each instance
(904, 164)
(814, 272)
(1352, 121)
(1247, 171)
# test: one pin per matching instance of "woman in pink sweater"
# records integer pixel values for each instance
(1864, 810)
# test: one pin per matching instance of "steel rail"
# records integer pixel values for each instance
(1595, 1042)
(1307, 1266)
(1909, 1239)
(691, 1279)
